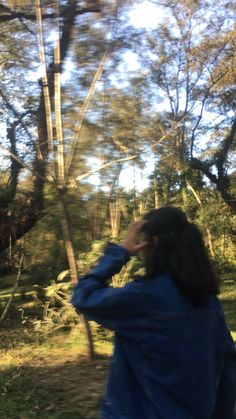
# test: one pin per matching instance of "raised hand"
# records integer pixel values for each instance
(132, 241)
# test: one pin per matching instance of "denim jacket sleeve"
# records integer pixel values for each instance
(108, 306)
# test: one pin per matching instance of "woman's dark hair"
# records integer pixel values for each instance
(180, 251)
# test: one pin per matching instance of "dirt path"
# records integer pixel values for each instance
(76, 384)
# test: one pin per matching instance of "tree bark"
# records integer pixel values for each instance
(199, 201)
(115, 217)
(66, 231)
(222, 180)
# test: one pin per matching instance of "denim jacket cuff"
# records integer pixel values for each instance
(115, 249)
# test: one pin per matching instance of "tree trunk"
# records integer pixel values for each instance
(156, 198)
(115, 218)
(209, 236)
(65, 226)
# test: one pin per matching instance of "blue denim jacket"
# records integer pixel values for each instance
(171, 360)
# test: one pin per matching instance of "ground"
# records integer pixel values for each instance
(51, 376)
(53, 379)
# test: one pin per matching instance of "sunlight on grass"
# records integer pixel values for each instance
(228, 299)
(45, 378)
(103, 347)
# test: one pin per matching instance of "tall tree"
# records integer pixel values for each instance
(49, 146)
(30, 134)
(189, 62)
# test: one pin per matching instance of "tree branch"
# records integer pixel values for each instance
(23, 164)
(16, 114)
(222, 180)
(221, 155)
(11, 15)
(213, 83)
(204, 167)
(124, 159)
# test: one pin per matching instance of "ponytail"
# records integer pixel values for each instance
(191, 267)
(180, 251)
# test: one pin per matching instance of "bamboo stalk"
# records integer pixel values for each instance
(57, 103)
(82, 114)
(46, 93)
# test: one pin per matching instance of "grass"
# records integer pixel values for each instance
(51, 376)
(228, 299)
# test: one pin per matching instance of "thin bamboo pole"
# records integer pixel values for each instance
(46, 93)
(114, 13)
(82, 114)
(57, 102)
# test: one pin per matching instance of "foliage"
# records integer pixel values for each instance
(87, 261)
(60, 193)
(176, 109)
(57, 310)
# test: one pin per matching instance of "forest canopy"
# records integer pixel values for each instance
(86, 94)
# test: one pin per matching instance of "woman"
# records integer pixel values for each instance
(174, 357)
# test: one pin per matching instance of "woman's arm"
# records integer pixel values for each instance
(108, 306)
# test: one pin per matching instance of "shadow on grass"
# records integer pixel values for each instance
(67, 390)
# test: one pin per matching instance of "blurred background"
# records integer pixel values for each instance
(108, 109)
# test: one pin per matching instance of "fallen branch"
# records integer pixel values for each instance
(5, 311)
